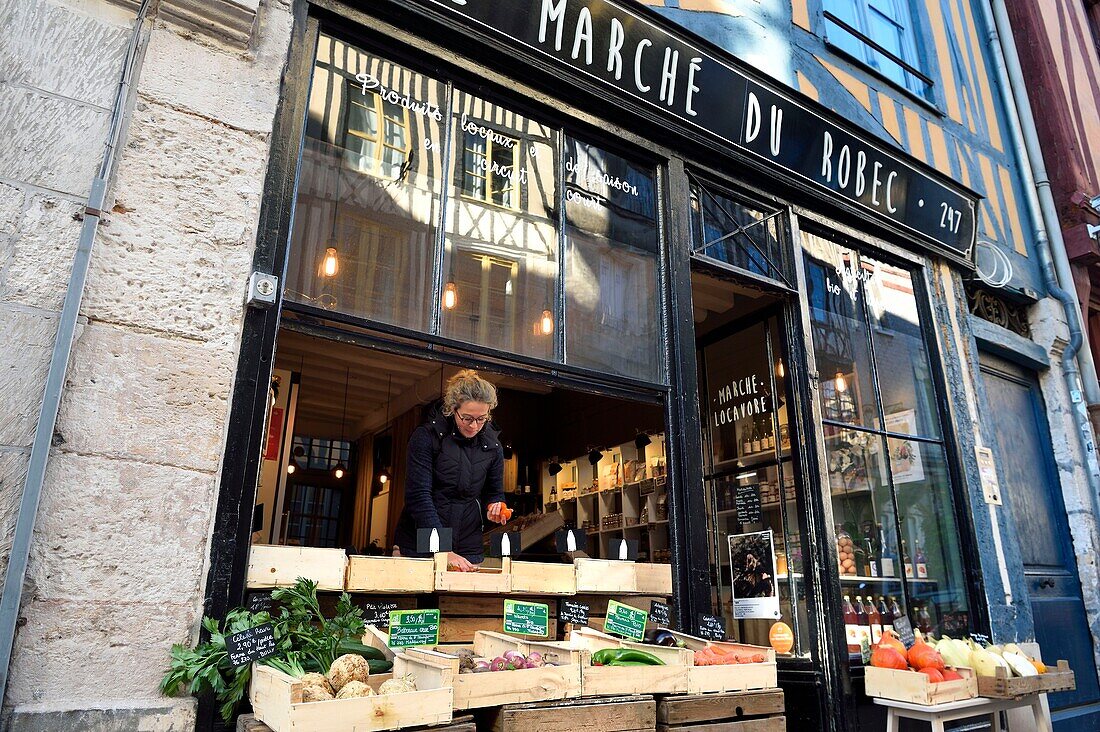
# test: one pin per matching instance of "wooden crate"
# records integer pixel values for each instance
(461, 616)
(1003, 686)
(917, 688)
(752, 711)
(390, 575)
(613, 714)
(653, 579)
(464, 723)
(606, 576)
(281, 566)
(277, 701)
(543, 578)
(729, 677)
(490, 689)
(497, 581)
(672, 678)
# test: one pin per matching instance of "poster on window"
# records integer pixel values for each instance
(752, 564)
(905, 460)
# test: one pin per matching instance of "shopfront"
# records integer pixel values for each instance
(707, 306)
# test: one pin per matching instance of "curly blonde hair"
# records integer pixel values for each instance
(467, 386)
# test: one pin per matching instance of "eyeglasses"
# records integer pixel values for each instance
(466, 419)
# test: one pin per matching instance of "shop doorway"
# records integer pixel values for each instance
(1033, 496)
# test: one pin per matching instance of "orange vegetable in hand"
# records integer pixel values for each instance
(506, 514)
(885, 656)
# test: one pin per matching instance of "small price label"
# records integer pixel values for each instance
(526, 618)
(658, 613)
(712, 627)
(254, 644)
(377, 613)
(259, 602)
(413, 628)
(625, 620)
(571, 611)
(904, 630)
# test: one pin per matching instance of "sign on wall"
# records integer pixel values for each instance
(603, 42)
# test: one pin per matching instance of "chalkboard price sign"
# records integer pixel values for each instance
(526, 618)
(748, 504)
(625, 620)
(259, 602)
(413, 628)
(254, 644)
(905, 631)
(712, 627)
(377, 613)
(658, 613)
(571, 611)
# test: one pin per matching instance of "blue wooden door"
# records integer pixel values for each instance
(1033, 497)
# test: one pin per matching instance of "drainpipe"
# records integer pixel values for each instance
(1050, 249)
(12, 596)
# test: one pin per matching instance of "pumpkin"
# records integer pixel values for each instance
(887, 657)
(890, 640)
(951, 675)
(934, 674)
(922, 656)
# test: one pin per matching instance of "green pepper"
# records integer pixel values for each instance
(624, 656)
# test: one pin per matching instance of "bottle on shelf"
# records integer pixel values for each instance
(553, 494)
(862, 565)
(769, 435)
(851, 626)
(922, 563)
(871, 548)
(924, 619)
(864, 621)
(874, 619)
(746, 441)
(887, 561)
(755, 435)
(906, 561)
(886, 618)
(895, 611)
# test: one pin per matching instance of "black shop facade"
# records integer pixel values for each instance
(668, 263)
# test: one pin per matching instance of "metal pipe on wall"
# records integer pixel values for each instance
(1081, 381)
(16, 572)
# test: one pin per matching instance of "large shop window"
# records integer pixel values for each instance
(415, 194)
(896, 533)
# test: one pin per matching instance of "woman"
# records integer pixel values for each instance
(455, 466)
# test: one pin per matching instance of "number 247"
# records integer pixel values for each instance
(950, 218)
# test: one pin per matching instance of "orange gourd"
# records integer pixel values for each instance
(933, 674)
(891, 641)
(951, 675)
(922, 656)
(887, 657)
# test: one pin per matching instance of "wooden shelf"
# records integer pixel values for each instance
(860, 578)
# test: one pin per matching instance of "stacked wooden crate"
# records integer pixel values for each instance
(746, 711)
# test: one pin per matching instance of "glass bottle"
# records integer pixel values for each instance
(895, 611)
(870, 547)
(924, 619)
(851, 626)
(922, 563)
(755, 435)
(886, 618)
(906, 561)
(864, 622)
(888, 561)
(746, 440)
(874, 619)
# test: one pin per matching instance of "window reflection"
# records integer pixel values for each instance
(613, 320)
(502, 240)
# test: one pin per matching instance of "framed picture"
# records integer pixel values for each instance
(905, 458)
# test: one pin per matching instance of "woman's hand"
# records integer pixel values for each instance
(457, 563)
(498, 513)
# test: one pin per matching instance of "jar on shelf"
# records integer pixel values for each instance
(846, 554)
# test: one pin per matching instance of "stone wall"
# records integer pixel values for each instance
(118, 561)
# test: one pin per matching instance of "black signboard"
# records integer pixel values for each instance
(619, 48)
(572, 611)
(377, 612)
(712, 627)
(254, 644)
(905, 631)
(504, 544)
(259, 602)
(570, 540)
(748, 504)
(431, 541)
(658, 613)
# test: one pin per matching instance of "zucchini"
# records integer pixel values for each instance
(353, 646)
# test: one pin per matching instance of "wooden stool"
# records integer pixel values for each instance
(954, 711)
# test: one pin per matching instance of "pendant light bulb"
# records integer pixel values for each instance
(546, 323)
(290, 469)
(339, 472)
(780, 369)
(841, 383)
(450, 296)
(331, 264)
(383, 479)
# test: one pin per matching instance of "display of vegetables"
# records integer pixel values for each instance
(625, 657)
(720, 656)
(935, 658)
(307, 646)
(507, 661)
